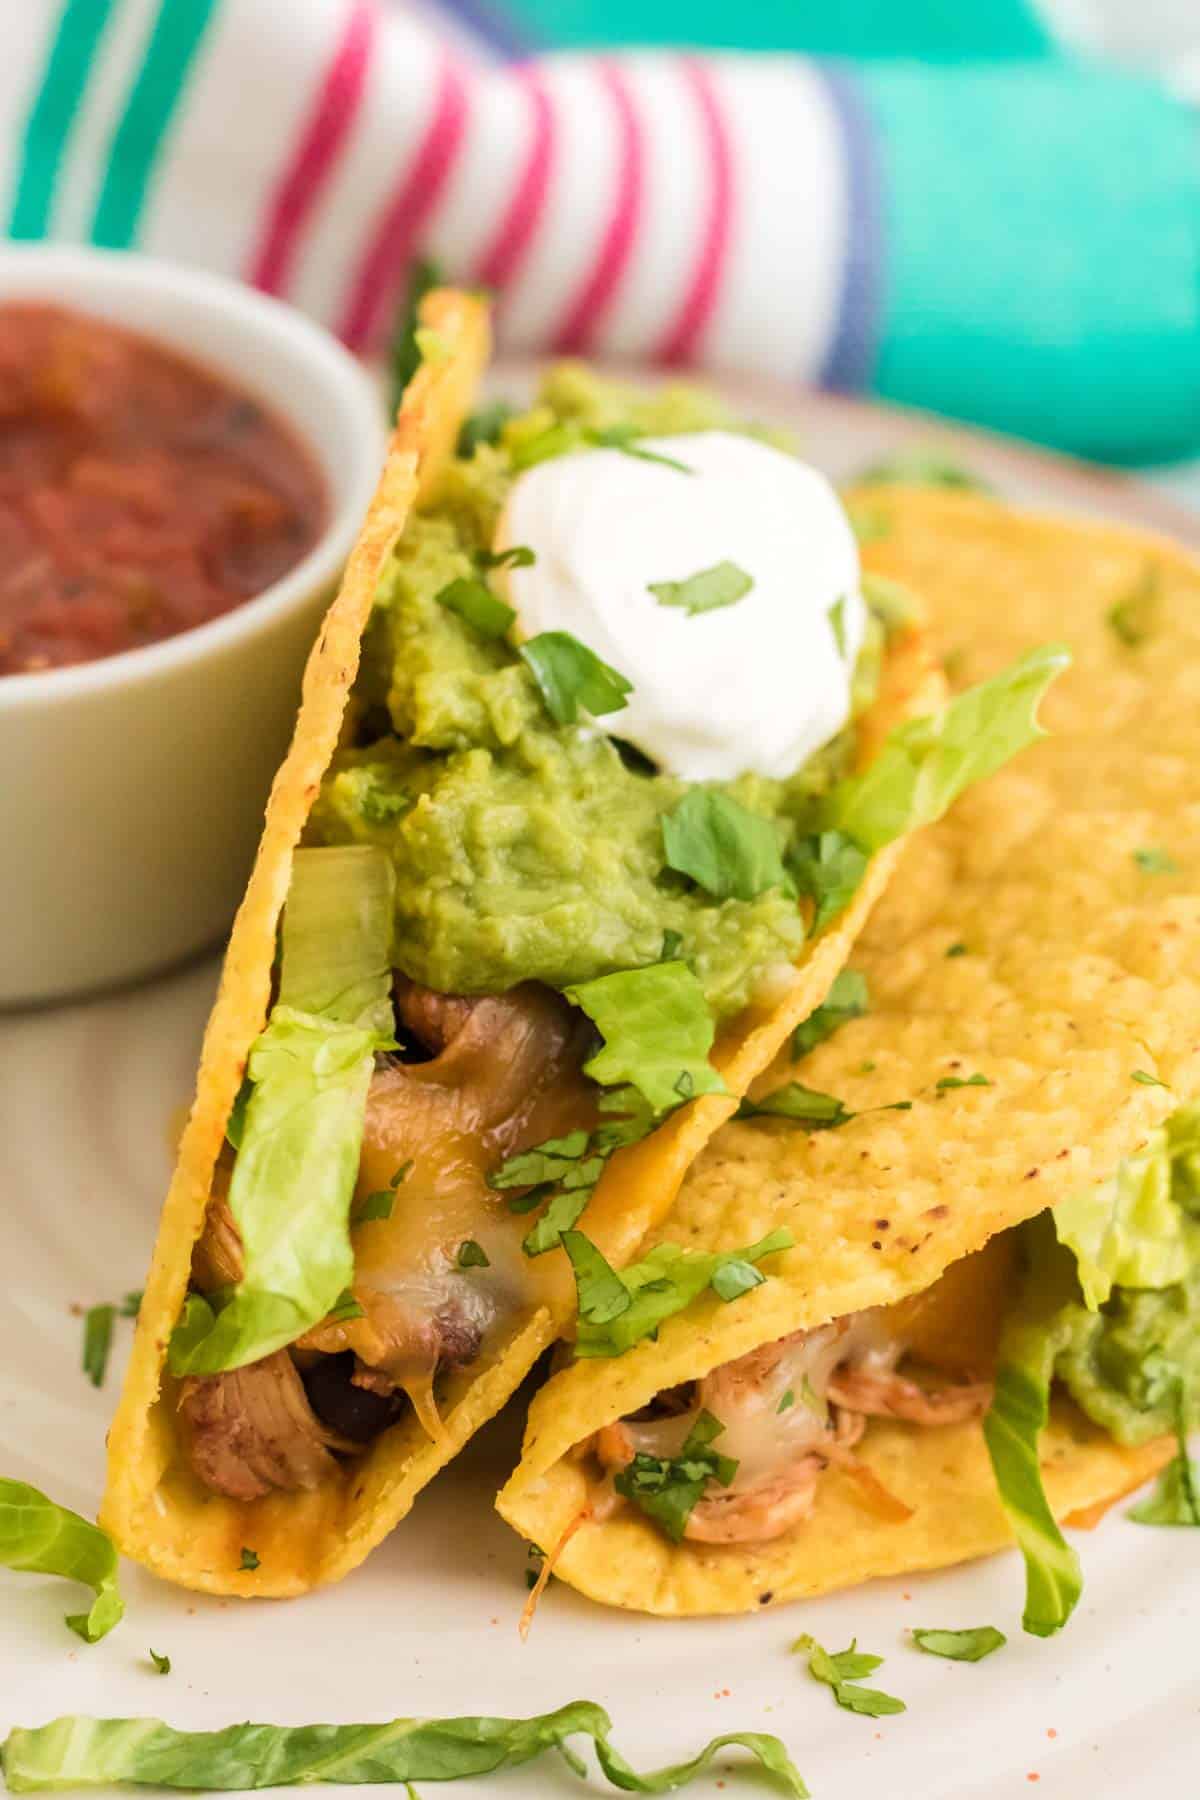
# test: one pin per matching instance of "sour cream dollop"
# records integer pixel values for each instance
(756, 685)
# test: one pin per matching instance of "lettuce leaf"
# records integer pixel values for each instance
(926, 764)
(297, 1163)
(44, 1538)
(657, 1033)
(1015, 1421)
(1134, 1230)
(618, 1309)
(77, 1752)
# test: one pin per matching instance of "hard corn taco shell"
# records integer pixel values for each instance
(155, 1509)
(1021, 940)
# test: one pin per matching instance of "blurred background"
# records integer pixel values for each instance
(987, 208)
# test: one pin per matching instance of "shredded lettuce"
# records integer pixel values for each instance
(926, 764)
(657, 1033)
(294, 1175)
(618, 1309)
(44, 1538)
(1014, 1424)
(1136, 1230)
(78, 1752)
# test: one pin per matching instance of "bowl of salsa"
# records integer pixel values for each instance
(184, 466)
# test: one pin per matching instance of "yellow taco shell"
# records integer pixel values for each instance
(1020, 940)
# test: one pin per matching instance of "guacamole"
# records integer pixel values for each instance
(525, 849)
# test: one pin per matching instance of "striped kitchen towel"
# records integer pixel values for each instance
(1017, 243)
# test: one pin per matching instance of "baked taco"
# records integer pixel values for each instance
(992, 1178)
(562, 871)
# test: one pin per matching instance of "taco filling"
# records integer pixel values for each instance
(1101, 1297)
(518, 856)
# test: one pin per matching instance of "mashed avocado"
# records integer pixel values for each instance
(524, 849)
(1126, 1363)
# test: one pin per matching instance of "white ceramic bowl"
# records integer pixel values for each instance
(132, 788)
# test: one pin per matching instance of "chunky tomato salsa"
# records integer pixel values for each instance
(140, 494)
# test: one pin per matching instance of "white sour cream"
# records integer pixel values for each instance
(757, 685)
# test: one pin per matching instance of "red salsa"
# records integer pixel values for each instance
(139, 493)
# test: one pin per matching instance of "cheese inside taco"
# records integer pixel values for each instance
(985, 1148)
(615, 783)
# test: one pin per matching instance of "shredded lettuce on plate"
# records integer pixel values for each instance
(78, 1752)
(301, 1134)
(44, 1538)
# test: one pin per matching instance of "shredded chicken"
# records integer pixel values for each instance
(250, 1430)
(788, 1410)
(217, 1259)
(892, 1396)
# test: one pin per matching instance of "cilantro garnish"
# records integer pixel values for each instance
(820, 1112)
(570, 676)
(1144, 1079)
(842, 1670)
(722, 585)
(485, 426)
(566, 435)
(729, 851)
(131, 1304)
(404, 353)
(472, 1255)
(828, 868)
(970, 1645)
(786, 1400)
(627, 439)
(161, 1663)
(847, 999)
(957, 950)
(667, 1488)
(475, 602)
(672, 944)
(344, 1307)
(1134, 617)
(618, 1310)
(924, 465)
(97, 1342)
(249, 1558)
(572, 1165)
(1153, 861)
(379, 1204)
(837, 624)
(961, 1081)
(517, 556)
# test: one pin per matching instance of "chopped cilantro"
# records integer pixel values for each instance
(672, 944)
(787, 1400)
(1145, 1079)
(517, 556)
(841, 1672)
(722, 585)
(828, 868)
(161, 1663)
(472, 1255)
(572, 1165)
(374, 1206)
(405, 353)
(475, 602)
(617, 1311)
(957, 950)
(961, 1081)
(729, 851)
(667, 1488)
(847, 999)
(570, 676)
(837, 624)
(97, 1342)
(627, 438)
(485, 426)
(820, 1112)
(249, 1558)
(1134, 617)
(344, 1307)
(971, 1645)
(1153, 861)
(131, 1304)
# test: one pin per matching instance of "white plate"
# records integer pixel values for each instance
(428, 1627)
